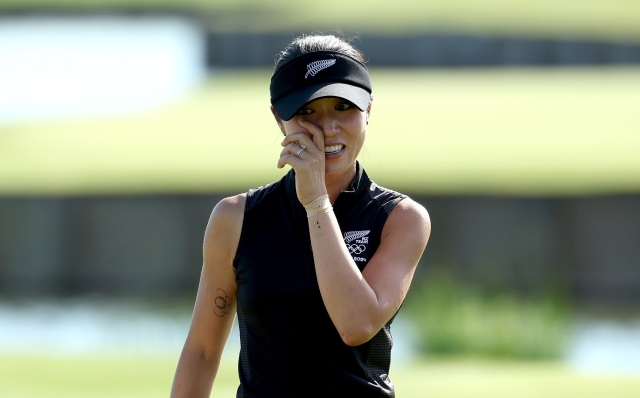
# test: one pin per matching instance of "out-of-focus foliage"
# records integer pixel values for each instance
(604, 19)
(456, 318)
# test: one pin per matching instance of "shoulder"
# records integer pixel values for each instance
(225, 225)
(408, 217)
(229, 210)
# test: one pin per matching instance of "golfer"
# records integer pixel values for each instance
(315, 265)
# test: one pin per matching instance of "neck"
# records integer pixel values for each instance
(340, 183)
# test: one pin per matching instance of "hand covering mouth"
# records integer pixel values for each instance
(333, 148)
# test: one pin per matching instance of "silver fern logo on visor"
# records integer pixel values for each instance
(316, 66)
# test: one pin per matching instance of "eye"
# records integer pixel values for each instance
(304, 111)
(343, 106)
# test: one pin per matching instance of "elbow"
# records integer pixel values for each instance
(203, 354)
(358, 335)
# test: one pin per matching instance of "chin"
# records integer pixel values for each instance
(334, 171)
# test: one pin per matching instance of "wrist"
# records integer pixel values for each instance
(319, 205)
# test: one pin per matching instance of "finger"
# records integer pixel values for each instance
(299, 139)
(294, 149)
(316, 133)
(289, 159)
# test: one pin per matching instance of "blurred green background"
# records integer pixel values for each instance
(599, 19)
(529, 286)
(516, 131)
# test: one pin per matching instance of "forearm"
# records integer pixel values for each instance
(195, 374)
(350, 301)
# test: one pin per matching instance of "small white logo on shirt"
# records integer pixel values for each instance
(356, 242)
(316, 66)
(353, 235)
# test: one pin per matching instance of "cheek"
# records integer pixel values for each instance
(357, 123)
(291, 126)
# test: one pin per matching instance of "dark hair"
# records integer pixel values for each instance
(318, 42)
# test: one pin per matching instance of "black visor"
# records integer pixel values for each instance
(318, 75)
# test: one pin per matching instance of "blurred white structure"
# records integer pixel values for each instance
(84, 326)
(606, 347)
(81, 326)
(60, 67)
(76, 327)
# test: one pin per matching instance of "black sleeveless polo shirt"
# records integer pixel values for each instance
(289, 346)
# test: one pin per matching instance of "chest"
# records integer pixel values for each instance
(274, 264)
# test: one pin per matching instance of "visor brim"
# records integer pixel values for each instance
(287, 106)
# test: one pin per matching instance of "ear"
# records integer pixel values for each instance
(278, 120)
(368, 112)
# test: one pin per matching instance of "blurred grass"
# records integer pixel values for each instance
(467, 378)
(466, 131)
(108, 375)
(113, 376)
(594, 19)
(453, 318)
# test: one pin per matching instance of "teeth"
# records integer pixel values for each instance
(333, 149)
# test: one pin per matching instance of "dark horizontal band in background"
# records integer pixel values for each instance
(429, 50)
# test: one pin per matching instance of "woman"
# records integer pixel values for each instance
(316, 265)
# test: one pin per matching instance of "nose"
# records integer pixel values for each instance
(328, 123)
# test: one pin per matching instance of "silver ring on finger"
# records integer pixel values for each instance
(302, 148)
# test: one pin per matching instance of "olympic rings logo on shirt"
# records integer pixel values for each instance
(356, 249)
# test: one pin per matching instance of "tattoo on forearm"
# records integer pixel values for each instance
(222, 303)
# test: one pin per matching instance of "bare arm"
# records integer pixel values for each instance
(215, 306)
(359, 304)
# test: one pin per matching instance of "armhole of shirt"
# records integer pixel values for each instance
(386, 199)
(255, 196)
